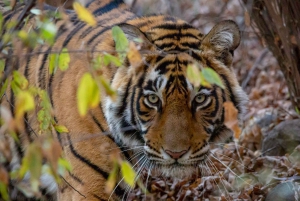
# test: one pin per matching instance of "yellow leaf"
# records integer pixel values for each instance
(112, 179)
(84, 14)
(108, 89)
(24, 103)
(61, 129)
(193, 75)
(128, 173)
(88, 94)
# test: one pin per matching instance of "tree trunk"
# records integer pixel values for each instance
(279, 24)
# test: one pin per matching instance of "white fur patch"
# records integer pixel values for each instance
(222, 40)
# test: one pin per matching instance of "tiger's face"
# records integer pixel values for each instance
(167, 121)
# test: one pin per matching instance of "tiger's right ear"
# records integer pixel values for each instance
(132, 33)
(223, 39)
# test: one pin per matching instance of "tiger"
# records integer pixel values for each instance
(159, 114)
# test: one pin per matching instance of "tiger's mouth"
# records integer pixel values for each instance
(176, 168)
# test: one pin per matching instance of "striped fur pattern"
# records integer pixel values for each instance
(166, 122)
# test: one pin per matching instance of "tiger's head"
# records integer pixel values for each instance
(159, 114)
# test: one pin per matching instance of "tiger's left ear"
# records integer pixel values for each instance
(132, 33)
(223, 38)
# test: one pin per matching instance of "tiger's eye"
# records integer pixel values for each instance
(200, 98)
(152, 98)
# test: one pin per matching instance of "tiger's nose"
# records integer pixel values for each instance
(176, 155)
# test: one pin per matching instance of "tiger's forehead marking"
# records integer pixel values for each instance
(169, 75)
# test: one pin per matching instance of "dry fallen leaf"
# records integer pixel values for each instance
(134, 56)
(231, 119)
(247, 19)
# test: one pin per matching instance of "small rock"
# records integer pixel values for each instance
(282, 139)
(289, 191)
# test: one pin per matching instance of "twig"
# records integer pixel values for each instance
(255, 65)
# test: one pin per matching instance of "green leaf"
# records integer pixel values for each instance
(3, 191)
(45, 113)
(212, 77)
(63, 165)
(98, 62)
(88, 94)
(19, 80)
(61, 129)
(64, 59)
(121, 41)
(2, 65)
(48, 32)
(53, 63)
(1, 20)
(108, 58)
(128, 173)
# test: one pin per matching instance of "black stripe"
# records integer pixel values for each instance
(108, 7)
(132, 133)
(41, 75)
(29, 16)
(132, 119)
(120, 110)
(98, 197)
(58, 134)
(88, 4)
(97, 122)
(191, 45)
(60, 32)
(75, 178)
(98, 34)
(231, 94)
(174, 26)
(87, 31)
(26, 73)
(49, 88)
(174, 35)
(72, 33)
(118, 190)
(167, 45)
(27, 128)
(85, 160)
(162, 67)
(19, 147)
(12, 102)
(195, 56)
(125, 153)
